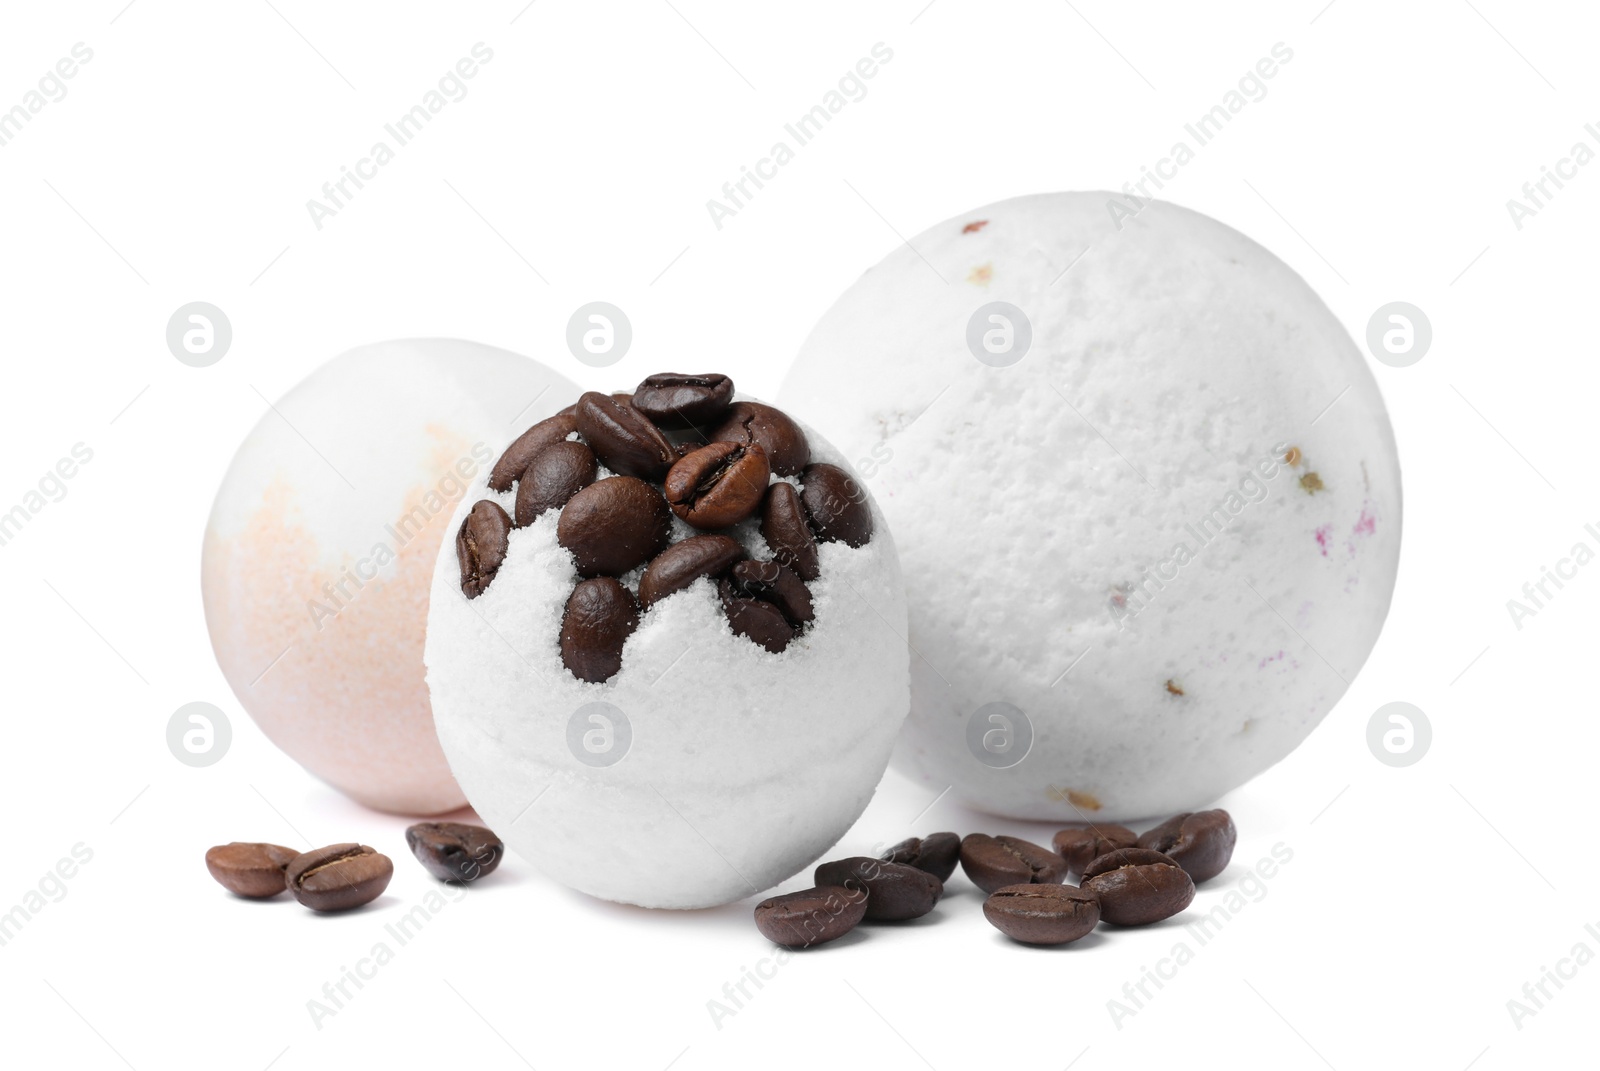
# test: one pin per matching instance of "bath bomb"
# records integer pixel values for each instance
(707, 768)
(320, 549)
(1145, 489)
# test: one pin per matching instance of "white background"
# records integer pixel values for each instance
(1418, 900)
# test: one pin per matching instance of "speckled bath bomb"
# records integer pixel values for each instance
(320, 550)
(1145, 489)
(707, 769)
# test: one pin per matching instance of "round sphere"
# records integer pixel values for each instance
(707, 768)
(1145, 489)
(320, 549)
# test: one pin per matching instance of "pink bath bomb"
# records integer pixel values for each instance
(320, 549)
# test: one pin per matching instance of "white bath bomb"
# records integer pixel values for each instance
(1149, 507)
(320, 549)
(707, 769)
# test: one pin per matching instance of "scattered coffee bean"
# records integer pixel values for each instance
(995, 862)
(772, 583)
(623, 438)
(529, 445)
(781, 437)
(455, 851)
(339, 877)
(1201, 843)
(936, 853)
(613, 525)
(755, 619)
(811, 917)
(481, 546)
(836, 505)
(1042, 914)
(554, 476)
(894, 892)
(719, 485)
(1080, 846)
(254, 871)
(1138, 886)
(678, 401)
(685, 562)
(600, 616)
(788, 535)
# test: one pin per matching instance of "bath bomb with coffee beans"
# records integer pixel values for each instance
(669, 673)
(320, 548)
(1145, 489)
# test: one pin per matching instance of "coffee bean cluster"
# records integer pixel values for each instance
(678, 445)
(344, 876)
(1125, 879)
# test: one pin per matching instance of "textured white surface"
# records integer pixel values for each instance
(743, 766)
(320, 547)
(1169, 359)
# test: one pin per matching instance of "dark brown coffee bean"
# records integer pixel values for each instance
(554, 476)
(613, 525)
(759, 621)
(784, 442)
(455, 851)
(1079, 846)
(1043, 914)
(678, 401)
(811, 917)
(772, 583)
(895, 892)
(529, 445)
(600, 616)
(339, 877)
(936, 853)
(836, 505)
(481, 546)
(1202, 842)
(623, 438)
(788, 535)
(718, 485)
(251, 870)
(1138, 886)
(685, 562)
(995, 862)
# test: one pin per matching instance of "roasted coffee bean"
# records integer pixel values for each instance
(455, 851)
(481, 546)
(1079, 846)
(339, 877)
(685, 562)
(755, 619)
(600, 616)
(780, 437)
(251, 870)
(895, 892)
(554, 476)
(811, 917)
(529, 445)
(788, 535)
(836, 506)
(678, 401)
(623, 438)
(1043, 914)
(1201, 843)
(995, 862)
(718, 485)
(1137, 886)
(772, 583)
(613, 525)
(936, 853)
